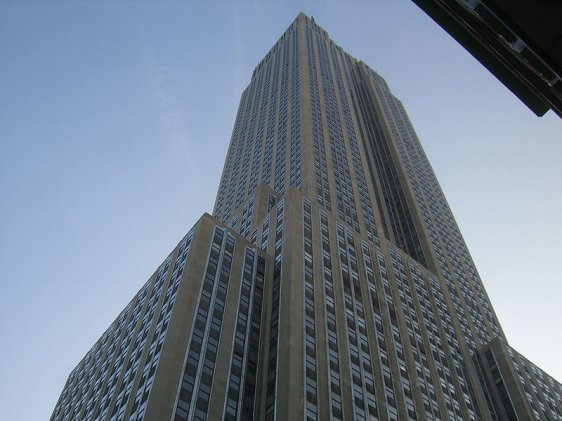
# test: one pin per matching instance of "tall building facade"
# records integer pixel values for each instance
(331, 282)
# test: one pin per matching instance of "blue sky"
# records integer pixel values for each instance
(115, 118)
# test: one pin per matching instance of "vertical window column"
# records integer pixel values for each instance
(272, 364)
(310, 365)
(195, 386)
(331, 324)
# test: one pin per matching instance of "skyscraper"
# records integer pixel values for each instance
(331, 282)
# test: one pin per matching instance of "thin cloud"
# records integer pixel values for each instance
(171, 115)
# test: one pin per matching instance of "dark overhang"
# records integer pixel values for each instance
(520, 42)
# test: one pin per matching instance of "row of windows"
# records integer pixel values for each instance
(544, 394)
(425, 380)
(427, 384)
(342, 63)
(282, 121)
(101, 387)
(241, 390)
(395, 216)
(111, 364)
(195, 386)
(335, 390)
(444, 233)
(362, 373)
(273, 347)
(295, 158)
(463, 287)
(263, 84)
(309, 351)
(265, 106)
(423, 335)
(320, 163)
(342, 178)
(437, 345)
(151, 362)
(247, 214)
(500, 385)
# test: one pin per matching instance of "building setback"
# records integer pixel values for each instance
(331, 282)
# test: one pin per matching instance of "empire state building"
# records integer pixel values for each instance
(331, 281)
